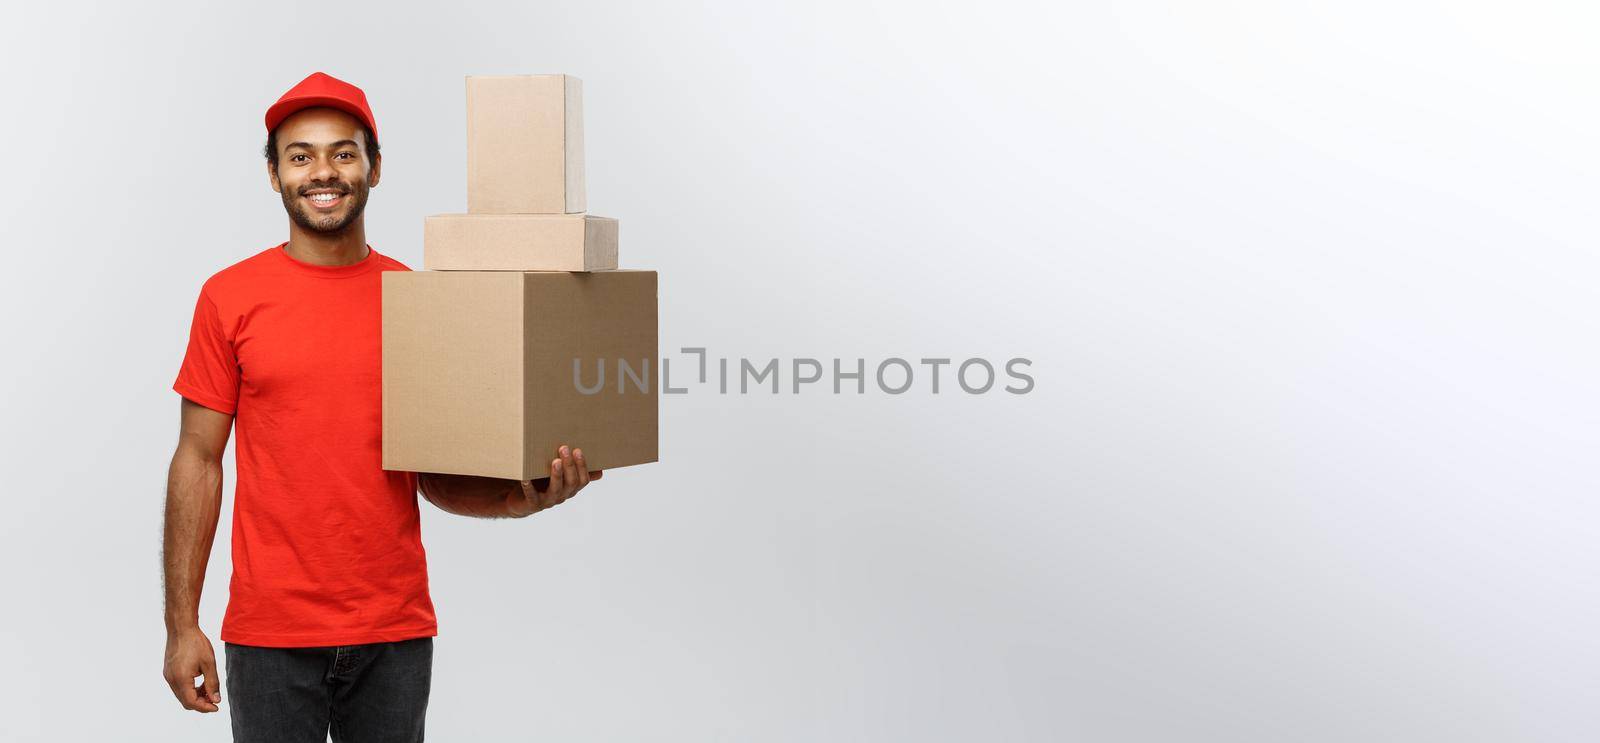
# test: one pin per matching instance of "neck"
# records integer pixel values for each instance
(341, 248)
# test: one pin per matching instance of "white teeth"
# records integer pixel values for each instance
(324, 196)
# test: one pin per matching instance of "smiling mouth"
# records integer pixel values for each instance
(325, 200)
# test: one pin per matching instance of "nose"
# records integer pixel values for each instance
(323, 172)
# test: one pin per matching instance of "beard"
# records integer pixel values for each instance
(328, 224)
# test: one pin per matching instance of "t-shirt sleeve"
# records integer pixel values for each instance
(210, 371)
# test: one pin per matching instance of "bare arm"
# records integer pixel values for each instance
(469, 495)
(496, 498)
(194, 500)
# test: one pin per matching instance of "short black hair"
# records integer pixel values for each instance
(271, 150)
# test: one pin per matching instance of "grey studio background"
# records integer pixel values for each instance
(1308, 290)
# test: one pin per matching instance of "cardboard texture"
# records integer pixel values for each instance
(525, 144)
(519, 242)
(478, 370)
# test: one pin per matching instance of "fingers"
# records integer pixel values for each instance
(203, 702)
(213, 689)
(569, 473)
(583, 469)
(530, 503)
(577, 472)
(184, 691)
(557, 483)
(190, 695)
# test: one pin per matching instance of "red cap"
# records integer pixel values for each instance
(319, 89)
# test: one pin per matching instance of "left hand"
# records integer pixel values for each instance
(568, 474)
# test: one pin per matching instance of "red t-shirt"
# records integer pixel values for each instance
(327, 545)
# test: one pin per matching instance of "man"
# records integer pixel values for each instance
(329, 623)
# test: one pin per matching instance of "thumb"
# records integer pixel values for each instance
(213, 688)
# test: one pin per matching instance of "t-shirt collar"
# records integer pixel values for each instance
(354, 269)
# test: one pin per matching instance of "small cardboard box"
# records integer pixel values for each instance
(519, 242)
(524, 144)
(488, 372)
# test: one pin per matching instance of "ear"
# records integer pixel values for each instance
(272, 175)
(377, 170)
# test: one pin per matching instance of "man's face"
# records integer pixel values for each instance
(323, 171)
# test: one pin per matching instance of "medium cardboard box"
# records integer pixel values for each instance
(519, 242)
(488, 372)
(524, 144)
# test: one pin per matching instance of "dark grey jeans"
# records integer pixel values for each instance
(360, 693)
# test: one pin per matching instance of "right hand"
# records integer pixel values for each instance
(569, 473)
(189, 655)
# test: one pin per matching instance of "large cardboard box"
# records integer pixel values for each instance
(519, 242)
(488, 372)
(524, 144)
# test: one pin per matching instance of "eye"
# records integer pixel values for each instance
(351, 154)
(292, 157)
